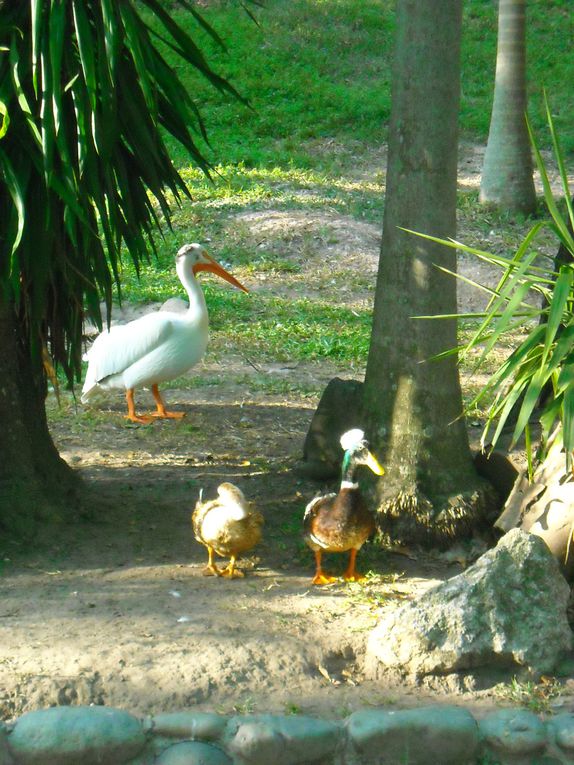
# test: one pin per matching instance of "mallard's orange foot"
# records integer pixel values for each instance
(321, 579)
(354, 577)
(211, 571)
(168, 415)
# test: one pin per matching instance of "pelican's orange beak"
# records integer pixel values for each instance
(214, 268)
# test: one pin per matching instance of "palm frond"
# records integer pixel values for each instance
(86, 98)
(546, 356)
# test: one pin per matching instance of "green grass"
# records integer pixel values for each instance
(317, 76)
(537, 697)
(310, 71)
(315, 70)
(268, 328)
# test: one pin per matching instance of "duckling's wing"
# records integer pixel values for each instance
(257, 522)
(198, 517)
(254, 515)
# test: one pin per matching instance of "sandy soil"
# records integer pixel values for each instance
(115, 610)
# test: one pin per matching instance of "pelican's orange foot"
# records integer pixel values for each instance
(320, 578)
(168, 415)
(143, 419)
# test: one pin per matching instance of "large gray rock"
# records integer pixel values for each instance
(446, 735)
(72, 735)
(275, 740)
(506, 611)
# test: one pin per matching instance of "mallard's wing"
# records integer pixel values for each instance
(315, 504)
(313, 509)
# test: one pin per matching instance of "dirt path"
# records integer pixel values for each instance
(115, 610)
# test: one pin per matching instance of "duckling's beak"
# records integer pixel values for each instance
(214, 268)
(374, 465)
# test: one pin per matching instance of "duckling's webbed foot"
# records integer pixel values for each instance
(230, 570)
(321, 577)
(211, 569)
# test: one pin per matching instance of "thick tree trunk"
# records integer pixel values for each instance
(413, 404)
(35, 483)
(507, 172)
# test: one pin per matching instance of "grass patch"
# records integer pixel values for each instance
(317, 76)
(310, 71)
(534, 696)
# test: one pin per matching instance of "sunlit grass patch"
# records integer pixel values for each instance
(284, 329)
(535, 696)
(236, 187)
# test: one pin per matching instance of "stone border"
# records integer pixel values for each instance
(434, 735)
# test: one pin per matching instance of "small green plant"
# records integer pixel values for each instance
(376, 591)
(535, 696)
(246, 706)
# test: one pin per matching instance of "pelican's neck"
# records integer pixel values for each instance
(195, 294)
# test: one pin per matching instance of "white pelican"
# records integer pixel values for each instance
(158, 346)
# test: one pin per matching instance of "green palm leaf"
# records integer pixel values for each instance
(546, 357)
(85, 99)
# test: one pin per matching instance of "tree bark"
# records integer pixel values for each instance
(507, 180)
(430, 492)
(35, 483)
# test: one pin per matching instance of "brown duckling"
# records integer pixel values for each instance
(228, 526)
(341, 522)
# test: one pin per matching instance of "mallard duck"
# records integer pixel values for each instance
(159, 346)
(228, 526)
(340, 522)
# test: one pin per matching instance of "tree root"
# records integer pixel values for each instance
(410, 518)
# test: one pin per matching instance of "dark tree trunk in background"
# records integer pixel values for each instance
(431, 492)
(35, 483)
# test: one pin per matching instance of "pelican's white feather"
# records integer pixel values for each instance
(158, 346)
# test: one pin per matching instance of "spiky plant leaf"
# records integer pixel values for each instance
(546, 356)
(86, 97)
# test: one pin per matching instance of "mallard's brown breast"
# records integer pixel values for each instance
(337, 523)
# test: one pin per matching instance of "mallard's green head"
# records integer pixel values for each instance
(357, 453)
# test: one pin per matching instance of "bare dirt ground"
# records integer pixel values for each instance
(116, 611)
